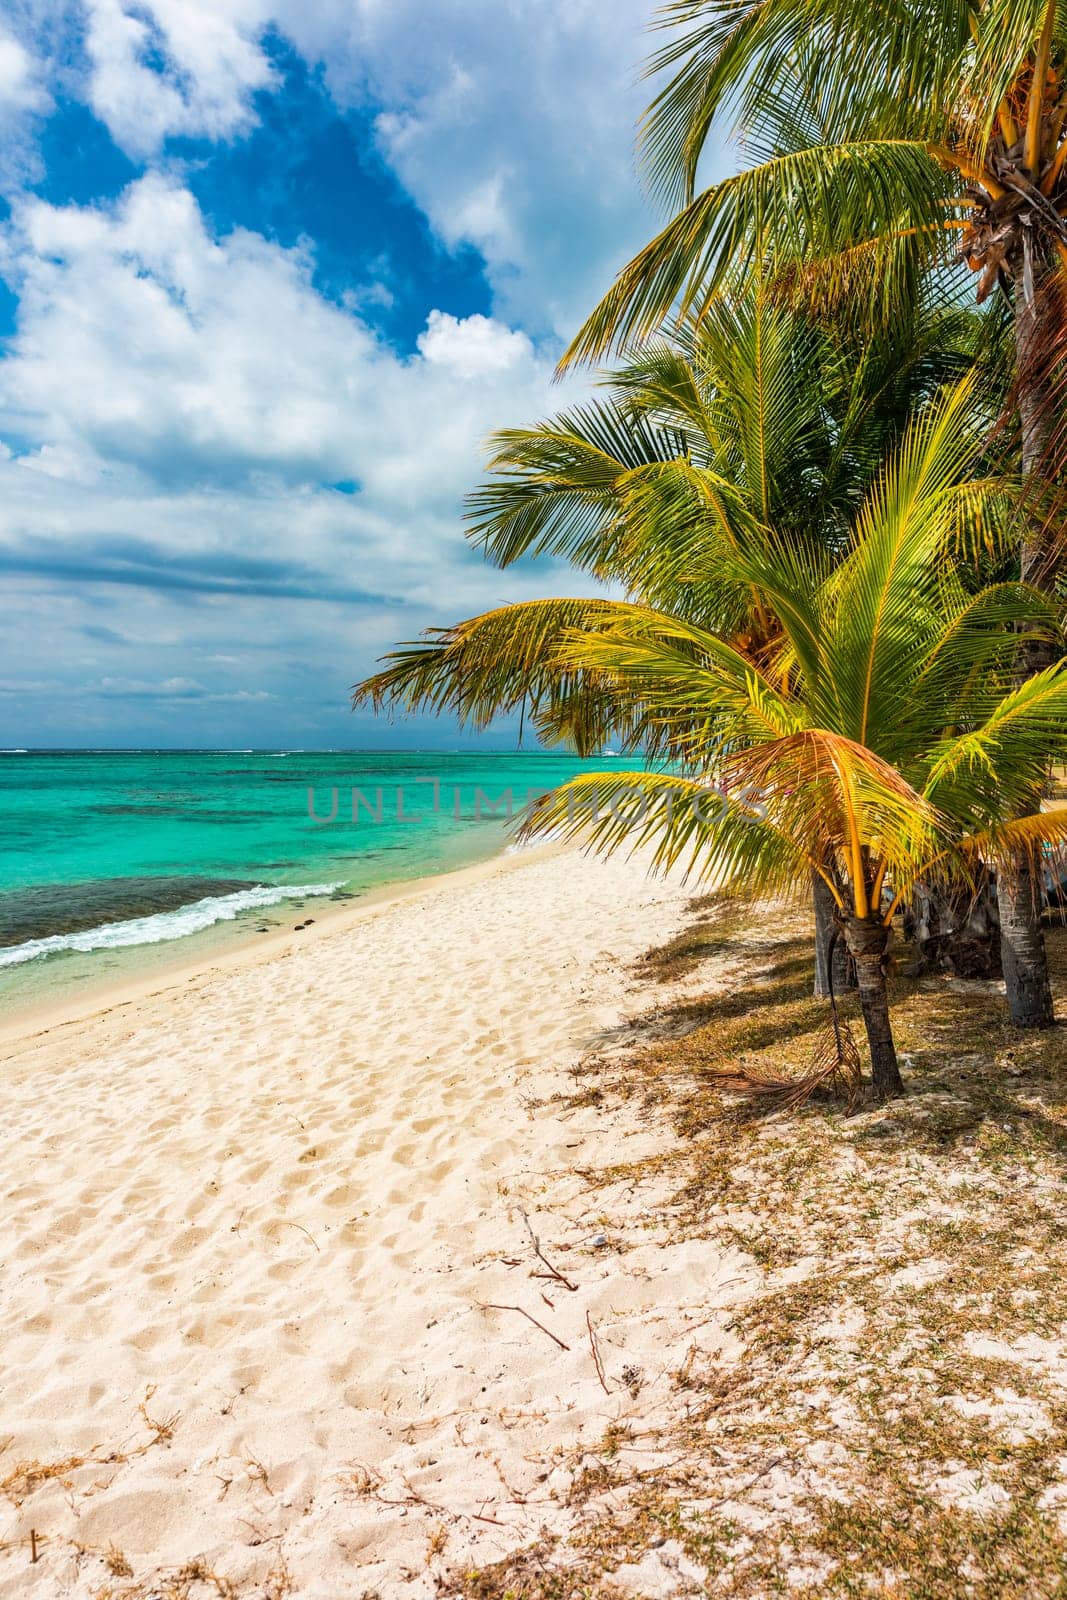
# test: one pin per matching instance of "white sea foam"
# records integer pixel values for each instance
(164, 925)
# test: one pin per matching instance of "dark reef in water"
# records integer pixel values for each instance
(45, 910)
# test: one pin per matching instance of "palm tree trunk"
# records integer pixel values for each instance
(867, 940)
(1022, 944)
(831, 956)
(1018, 882)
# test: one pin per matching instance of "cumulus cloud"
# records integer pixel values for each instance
(174, 67)
(187, 405)
(511, 124)
(20, 87)
(512, 127)
(143, 340)
(472, 347)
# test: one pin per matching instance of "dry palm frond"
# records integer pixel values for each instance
(835, 1069)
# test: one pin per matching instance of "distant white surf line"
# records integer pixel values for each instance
(164, 925)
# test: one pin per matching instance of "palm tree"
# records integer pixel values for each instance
(874, 742)
(902, 137)
(759, 415)
(759, 419)
(891, 140)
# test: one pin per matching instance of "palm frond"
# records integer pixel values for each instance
(891, 578)
(771, 217)
(682, 821)
(792, 64)
(998, 768)
(554, 489)
(505, 660)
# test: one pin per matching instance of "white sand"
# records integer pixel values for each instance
(267, 1203)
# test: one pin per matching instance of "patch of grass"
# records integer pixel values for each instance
(530, 1574)
(116, 1562)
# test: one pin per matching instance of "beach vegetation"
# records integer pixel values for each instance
(891, 151)
(871, 733)
(878, 1406)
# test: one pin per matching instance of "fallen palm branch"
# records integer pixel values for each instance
(835, 1069)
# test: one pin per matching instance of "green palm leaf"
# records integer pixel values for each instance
(813, 202)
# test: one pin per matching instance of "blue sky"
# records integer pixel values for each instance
(270, 274)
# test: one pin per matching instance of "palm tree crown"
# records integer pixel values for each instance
(888, 139)
(874, 740)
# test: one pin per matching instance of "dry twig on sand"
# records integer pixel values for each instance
(553, 1272)
(596, 1354)
(488, 1305)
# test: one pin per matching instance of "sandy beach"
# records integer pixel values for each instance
(252, 1225)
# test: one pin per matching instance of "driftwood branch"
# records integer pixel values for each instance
(488, 1305)
(596, 1354)
(553, 1272)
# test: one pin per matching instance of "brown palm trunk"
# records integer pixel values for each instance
(832, 962)
(1019, 898)
(867, 940)
(1022, 944)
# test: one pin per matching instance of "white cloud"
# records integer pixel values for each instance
(187, 401)
(510, 123)
(24, 98)
(472, 347)
(20, 86)
(146, 342)
(174, 67)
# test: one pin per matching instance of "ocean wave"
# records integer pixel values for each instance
(164, 925)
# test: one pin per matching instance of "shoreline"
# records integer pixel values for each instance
(268, 1227)
(132, 866)
(230, 947)
(429, 1259)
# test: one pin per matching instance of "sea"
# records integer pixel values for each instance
(117, 862)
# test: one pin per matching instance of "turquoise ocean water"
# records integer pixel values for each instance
(113, 858)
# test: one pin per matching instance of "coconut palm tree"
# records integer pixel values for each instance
(759, 415)
(889, 140)
(875, 741)
(761, 418)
